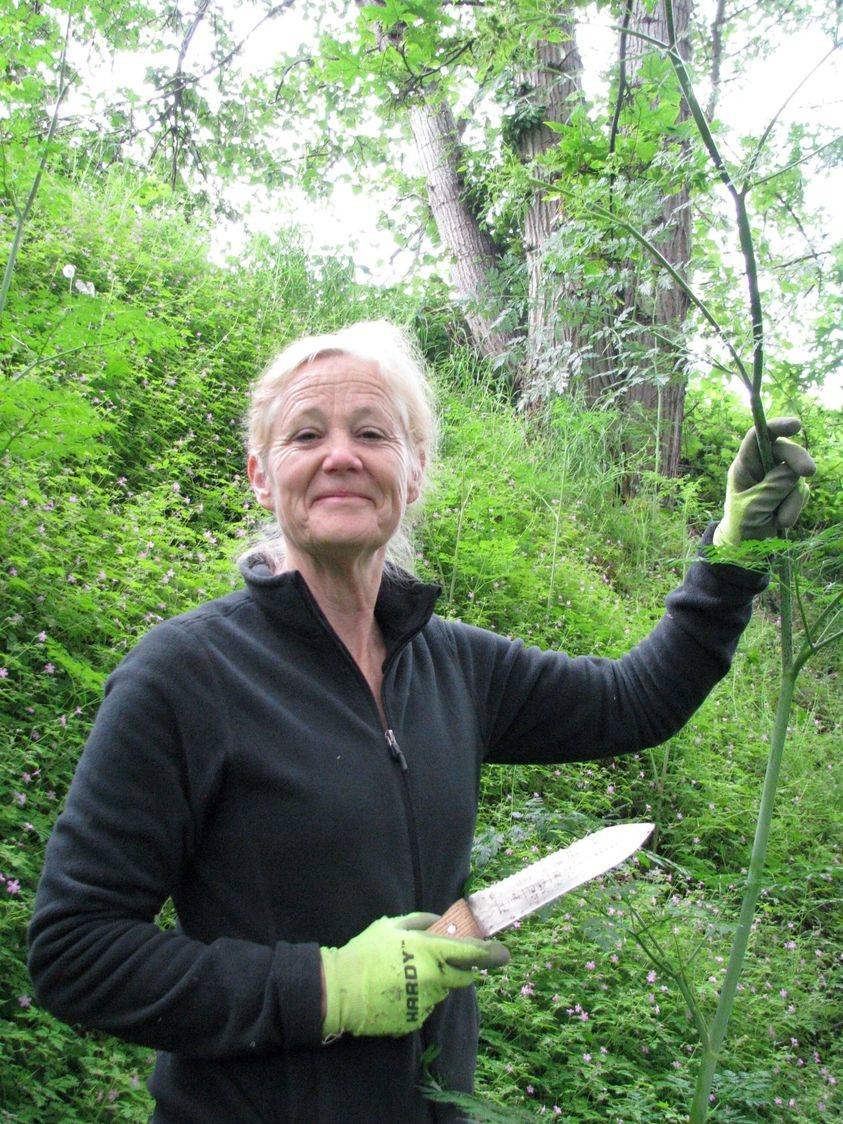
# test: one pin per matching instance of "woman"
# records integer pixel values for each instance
(297, 764)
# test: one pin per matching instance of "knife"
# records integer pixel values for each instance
(488, 911)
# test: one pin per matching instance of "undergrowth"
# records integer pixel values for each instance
(135, 511)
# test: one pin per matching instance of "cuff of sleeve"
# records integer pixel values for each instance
(755, 580)
(298, 976)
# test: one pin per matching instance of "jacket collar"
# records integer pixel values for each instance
(404, 604)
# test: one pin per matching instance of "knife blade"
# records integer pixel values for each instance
(489, 910)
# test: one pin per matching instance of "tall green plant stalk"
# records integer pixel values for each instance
(713, 1034)
(23, 216)
(790, 667)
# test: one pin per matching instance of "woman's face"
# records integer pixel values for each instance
(339, 471)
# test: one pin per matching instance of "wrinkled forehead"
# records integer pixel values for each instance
(340, 380)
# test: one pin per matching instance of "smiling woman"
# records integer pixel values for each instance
(297, 764)
(365, 384)
(340, 468)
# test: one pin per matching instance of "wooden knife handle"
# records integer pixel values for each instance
(456, 921)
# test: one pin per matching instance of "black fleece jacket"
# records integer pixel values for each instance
(238, 764)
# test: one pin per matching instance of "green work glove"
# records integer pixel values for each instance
(759, 506)
(388, 978)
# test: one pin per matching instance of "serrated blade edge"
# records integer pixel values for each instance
(544, 881)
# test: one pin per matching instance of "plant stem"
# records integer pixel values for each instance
(717, 1031)
(6, 283)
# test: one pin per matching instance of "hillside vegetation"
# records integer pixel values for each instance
(125, 501)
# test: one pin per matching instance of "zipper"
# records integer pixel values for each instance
(395, 751)
(398, 757)
(412, 826)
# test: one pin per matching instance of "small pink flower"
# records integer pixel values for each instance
(19, 798)
(13, 886)
(41, 637)
(590, 965)
(4, 673)
(24, 1001)
(651, 976)
(530, 1090)
(586, 1057)
(527, 989)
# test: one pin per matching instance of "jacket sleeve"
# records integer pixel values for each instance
(538, 706)
(121, 846)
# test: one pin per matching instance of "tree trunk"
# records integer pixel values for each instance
(473, 254)
(659, 395)
(473, 257)
(551, 90)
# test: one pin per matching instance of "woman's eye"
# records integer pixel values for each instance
(371, 434)
(306, 435)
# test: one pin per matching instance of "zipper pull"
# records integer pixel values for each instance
(395, 749)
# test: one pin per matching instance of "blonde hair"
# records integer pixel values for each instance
(399, 361)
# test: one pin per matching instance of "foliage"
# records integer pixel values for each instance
(714, 416)
(125, 501)
(124, 357)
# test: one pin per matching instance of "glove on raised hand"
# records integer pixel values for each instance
(759, 506)
(388, 978)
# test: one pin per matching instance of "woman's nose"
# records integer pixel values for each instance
(340, 454)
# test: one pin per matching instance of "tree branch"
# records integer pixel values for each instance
(716, 56)
(6, 283)
(627, 15)
(758, 148)
(226, 59)
(178, 90)
(678, 278)
(814, 152)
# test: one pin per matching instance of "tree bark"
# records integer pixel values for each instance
(551, 90)
(472, 251)
(660, 398)
(474, 261)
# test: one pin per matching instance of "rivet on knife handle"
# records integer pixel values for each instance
(457, 921)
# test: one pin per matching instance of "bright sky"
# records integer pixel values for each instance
(349, 220)
(745, 105)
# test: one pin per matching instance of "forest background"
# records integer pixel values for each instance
(589, 418)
